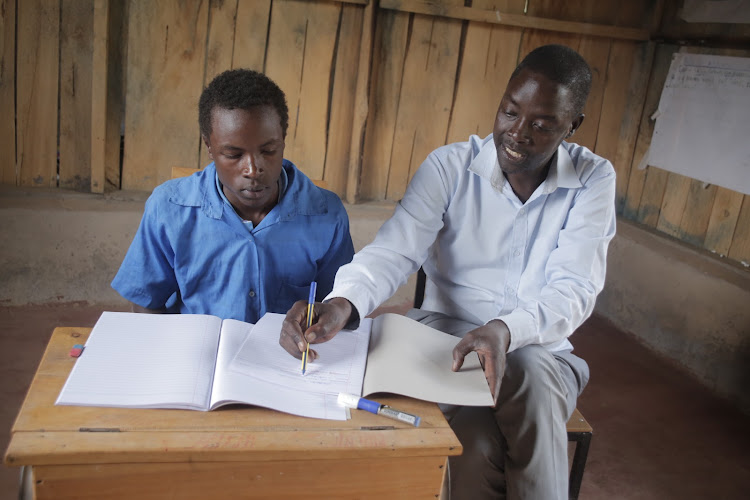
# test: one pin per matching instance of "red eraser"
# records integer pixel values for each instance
(76, 350)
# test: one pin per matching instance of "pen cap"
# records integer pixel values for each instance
(348, 400)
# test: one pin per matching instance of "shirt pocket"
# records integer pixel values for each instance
(287, 294)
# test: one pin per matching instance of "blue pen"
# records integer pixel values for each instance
(352, 401)
(310, 311)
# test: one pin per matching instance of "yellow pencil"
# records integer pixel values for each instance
(310, 312)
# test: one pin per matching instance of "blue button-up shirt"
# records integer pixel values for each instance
(193, 254)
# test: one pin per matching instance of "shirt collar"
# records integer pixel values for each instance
(562, 172)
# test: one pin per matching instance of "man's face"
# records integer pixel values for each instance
(247, 147)
(534, 117)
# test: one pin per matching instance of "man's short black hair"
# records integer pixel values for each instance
(241, 89)
(563, 65)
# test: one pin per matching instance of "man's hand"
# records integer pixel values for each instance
(491, 343)
(329, 319)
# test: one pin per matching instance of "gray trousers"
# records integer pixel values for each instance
(519, 448)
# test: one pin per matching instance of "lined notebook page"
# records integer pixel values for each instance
(340, 366)
(235, 387)
(146, 361)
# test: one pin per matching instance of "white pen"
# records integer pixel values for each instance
(352, 401)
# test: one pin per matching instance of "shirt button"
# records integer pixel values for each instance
(517, 253)
(252, 293)
(510, 290)
(522, 211)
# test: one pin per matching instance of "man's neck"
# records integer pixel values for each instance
(525, 183)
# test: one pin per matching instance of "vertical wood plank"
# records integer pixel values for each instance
(301, 41)
(673, 204)
(536, 38)
(359, 118)
(343, 98)
(116, 55)
(8, 172)
(695, 218)
(595, 50)
(638, 177)
(251, 34)
(99, 60)
(431, 56)
(76, 54)
(37, 79)
(627, 79)
(634, 114)
(166, 53)
(389, 53)
(654, 187)
(614, 104)
(723, 220)
(489, 56)
(222, 16)
(740, 249)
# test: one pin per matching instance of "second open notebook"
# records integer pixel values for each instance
(200, 362)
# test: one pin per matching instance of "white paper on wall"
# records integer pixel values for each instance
(702, 122)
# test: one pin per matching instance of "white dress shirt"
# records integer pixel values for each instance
(538, 266)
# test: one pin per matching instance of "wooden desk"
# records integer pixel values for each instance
(235, 452)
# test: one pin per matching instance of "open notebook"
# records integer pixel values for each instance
(200, 362)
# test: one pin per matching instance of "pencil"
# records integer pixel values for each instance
(310, 311)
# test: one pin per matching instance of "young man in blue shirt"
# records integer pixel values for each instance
(247, 234)
(512, 232)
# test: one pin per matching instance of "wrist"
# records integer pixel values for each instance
(503, 333)
(346, 311)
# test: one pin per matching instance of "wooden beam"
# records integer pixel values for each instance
(435, 8)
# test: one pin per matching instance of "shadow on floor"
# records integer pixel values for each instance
(658, 434)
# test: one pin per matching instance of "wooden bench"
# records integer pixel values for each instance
(579, 430)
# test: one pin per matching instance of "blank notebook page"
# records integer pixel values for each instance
(145, 360)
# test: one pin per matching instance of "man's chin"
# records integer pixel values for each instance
(509, 167)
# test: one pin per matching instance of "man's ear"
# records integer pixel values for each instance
(577, 121)
(208, 146)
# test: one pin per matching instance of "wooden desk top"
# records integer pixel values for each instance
(45, 434)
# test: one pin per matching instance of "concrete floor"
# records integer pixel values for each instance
(658, 434)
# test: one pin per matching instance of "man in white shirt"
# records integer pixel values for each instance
(512, 232)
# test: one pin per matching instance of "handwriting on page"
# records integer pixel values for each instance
(339, 368)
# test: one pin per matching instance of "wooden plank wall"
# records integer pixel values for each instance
(467, 83)
(8, 171)
(372, 86)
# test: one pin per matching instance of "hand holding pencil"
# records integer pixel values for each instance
(310, 314)
(306, 325)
